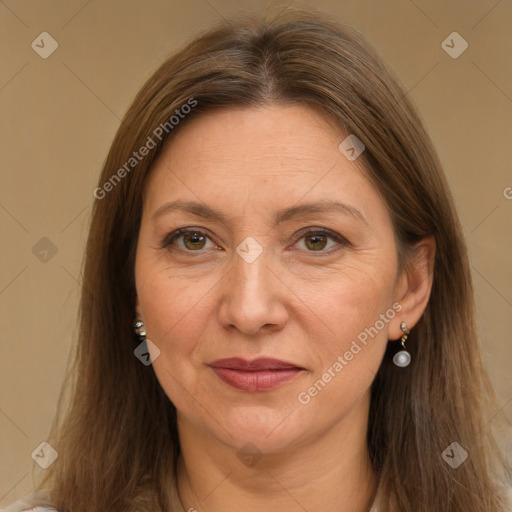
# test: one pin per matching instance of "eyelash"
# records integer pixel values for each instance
(342, 241)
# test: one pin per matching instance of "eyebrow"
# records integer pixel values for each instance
(207, 212)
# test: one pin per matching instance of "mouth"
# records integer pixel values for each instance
(261, 374)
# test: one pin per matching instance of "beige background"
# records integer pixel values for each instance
(58, 116)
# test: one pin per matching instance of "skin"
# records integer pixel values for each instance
(302, 300)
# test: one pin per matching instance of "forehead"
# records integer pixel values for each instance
(271, 155)
(273, 133)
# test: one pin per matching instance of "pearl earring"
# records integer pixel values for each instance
(403, 358)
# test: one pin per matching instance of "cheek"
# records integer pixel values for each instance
(357, 306)
(352, 299)
(174, 309)
(361, 301)
(358, 312)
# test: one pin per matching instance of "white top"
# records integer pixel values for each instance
(21, 506)
(17, 504)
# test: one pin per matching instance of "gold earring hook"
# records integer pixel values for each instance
(406, 332)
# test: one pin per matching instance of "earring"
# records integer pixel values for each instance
(403, 358)
(139, 329)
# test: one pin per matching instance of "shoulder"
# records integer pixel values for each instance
(509, 497)
(36, 509)
(26, 505)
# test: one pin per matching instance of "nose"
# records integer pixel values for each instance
(253, 297)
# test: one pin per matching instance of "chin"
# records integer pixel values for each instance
(270, 430)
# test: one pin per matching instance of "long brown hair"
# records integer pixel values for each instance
(117, 442)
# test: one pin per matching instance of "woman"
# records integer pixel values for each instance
(272, 230)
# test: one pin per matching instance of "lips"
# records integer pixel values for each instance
(261, 374)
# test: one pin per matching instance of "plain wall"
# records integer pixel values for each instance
(58, 116)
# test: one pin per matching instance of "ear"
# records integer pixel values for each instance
(414, 286)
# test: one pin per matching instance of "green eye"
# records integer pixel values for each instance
(196, 240)
(316, 242)
(192, 240)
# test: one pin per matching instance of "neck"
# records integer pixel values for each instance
(333, 473)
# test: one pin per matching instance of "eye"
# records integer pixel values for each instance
(194, 240)
(318, 239)
(190, 240)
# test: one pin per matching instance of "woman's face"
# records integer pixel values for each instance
(267, 266)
